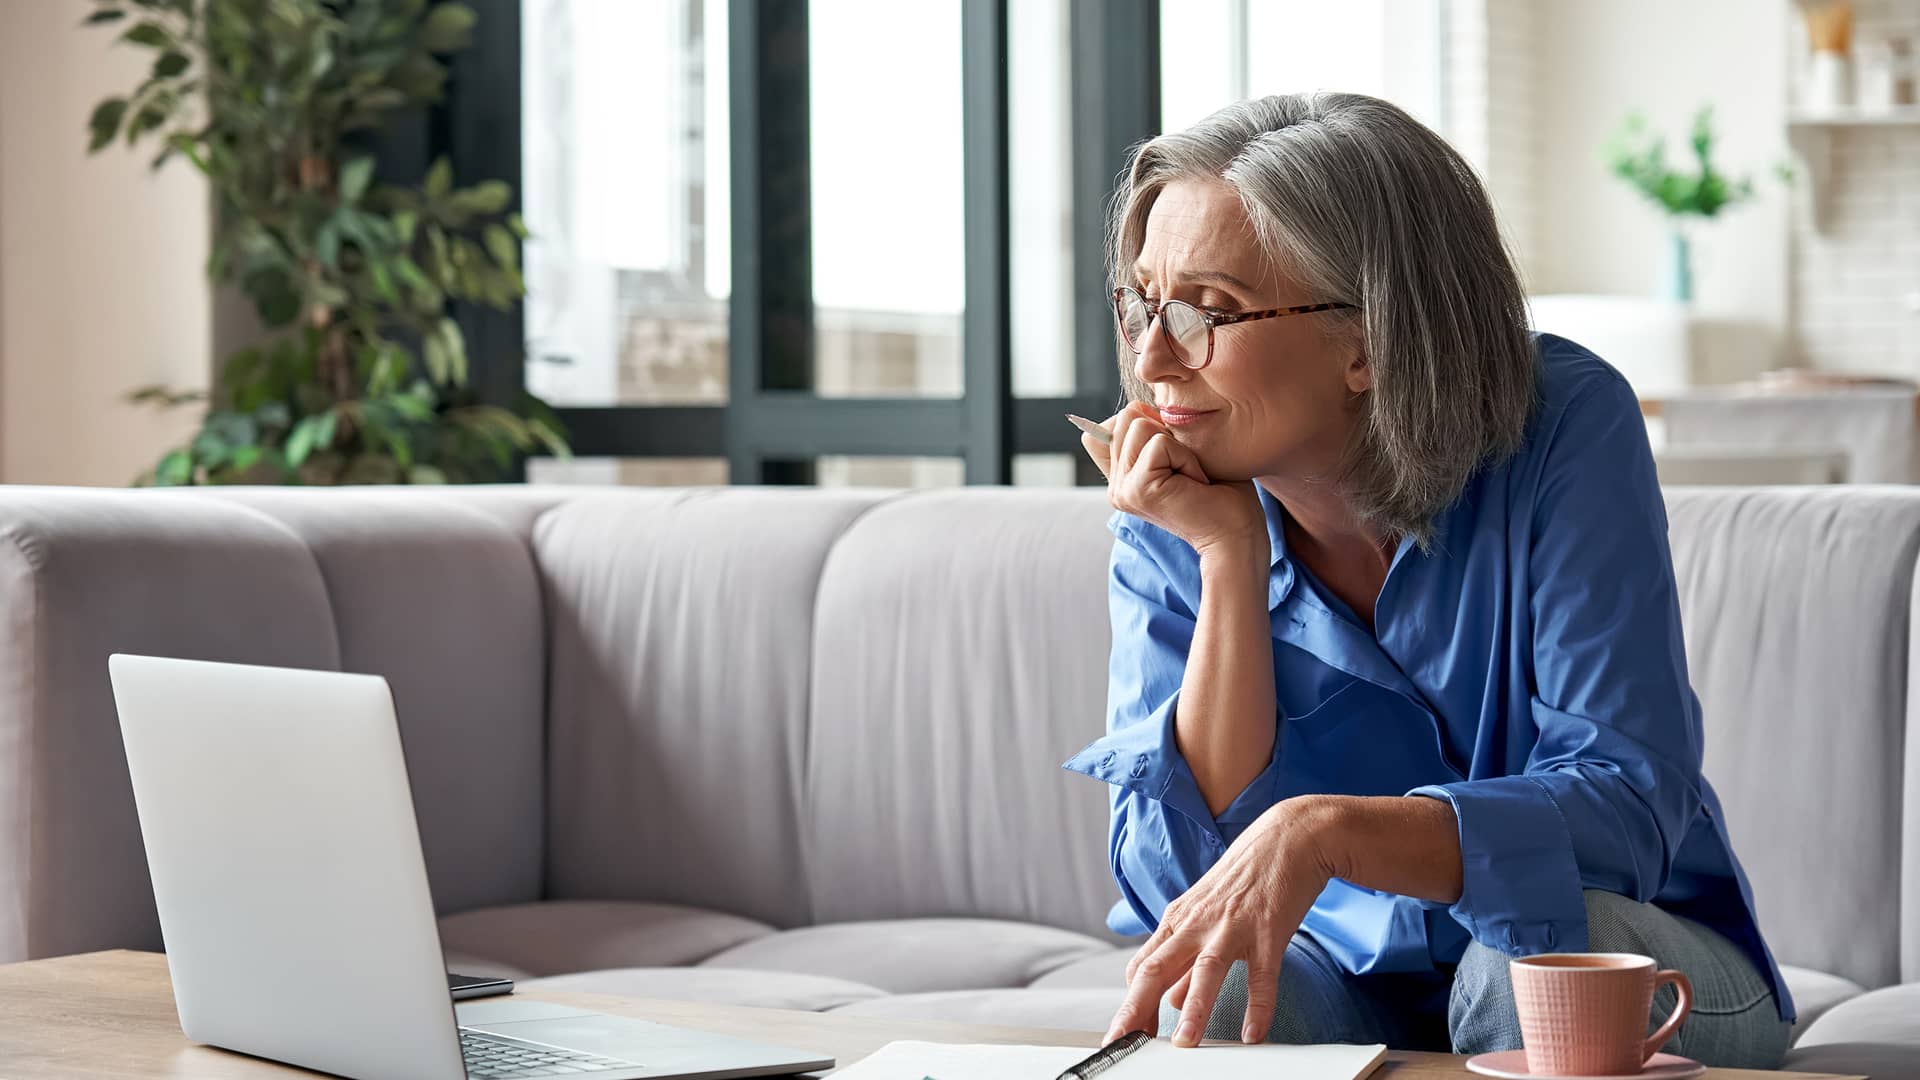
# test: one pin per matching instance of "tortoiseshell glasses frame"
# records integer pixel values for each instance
(1182, 322)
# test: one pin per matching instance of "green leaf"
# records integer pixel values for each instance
(456, 350)
(425, 474)
(439, 179)
(323, 431)
(486, 197)
(174, 470)
(300, 443)
(403, 226)
(383, 282)
(434, 352)
(105, 15)
(448, 28)
(170, 64)
(326, 244)
(501, 245)
(105, 122)
(247, 457)
(355, 175)
(151, 34)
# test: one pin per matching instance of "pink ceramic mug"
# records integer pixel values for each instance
(1585, 1014)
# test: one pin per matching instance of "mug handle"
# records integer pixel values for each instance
(1684, 988)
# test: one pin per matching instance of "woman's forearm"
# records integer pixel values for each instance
(1224, 724)
(1404, 845)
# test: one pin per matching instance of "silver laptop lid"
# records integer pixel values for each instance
(286, 865)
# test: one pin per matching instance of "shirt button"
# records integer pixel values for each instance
(1140, 766)
(1106, 759)
(1513, 939)
(1550, 937)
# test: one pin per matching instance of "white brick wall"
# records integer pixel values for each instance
(1855, 288)
(1490, 115)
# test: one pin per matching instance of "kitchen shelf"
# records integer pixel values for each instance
(1810, 133)
(1897, 116)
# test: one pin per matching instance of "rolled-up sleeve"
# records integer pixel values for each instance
(1161, 837)
(1613, 781)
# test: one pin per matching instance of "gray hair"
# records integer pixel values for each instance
(1359, 202)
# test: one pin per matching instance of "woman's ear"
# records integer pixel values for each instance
(1359, 374)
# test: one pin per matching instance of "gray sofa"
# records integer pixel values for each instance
(800, 747)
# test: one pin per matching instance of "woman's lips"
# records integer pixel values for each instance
(1178, 417)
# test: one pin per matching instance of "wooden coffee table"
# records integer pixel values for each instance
(110, 1015)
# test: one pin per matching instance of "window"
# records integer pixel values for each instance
(625, 171)
(1216, 52)
(805, 241)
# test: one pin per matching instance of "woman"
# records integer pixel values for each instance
(1397, 683)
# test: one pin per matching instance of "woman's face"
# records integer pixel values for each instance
(1283, 396)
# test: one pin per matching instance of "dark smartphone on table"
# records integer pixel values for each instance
(473, 986)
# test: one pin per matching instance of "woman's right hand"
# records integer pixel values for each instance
(1153, 477)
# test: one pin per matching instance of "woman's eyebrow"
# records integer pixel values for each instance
(1145, 274)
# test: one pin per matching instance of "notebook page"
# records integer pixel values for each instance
(1158, 1060)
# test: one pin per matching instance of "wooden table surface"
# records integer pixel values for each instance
(110, 1015)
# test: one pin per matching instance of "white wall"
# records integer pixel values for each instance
(1590, 232)
(102, 283)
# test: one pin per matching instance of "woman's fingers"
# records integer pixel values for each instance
(1209, 970)
(1149, 981)
(1177, 997)
(1263, 986)
(1101, 453)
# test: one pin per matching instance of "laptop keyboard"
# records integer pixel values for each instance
(495, 1056)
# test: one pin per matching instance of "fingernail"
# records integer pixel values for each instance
(1188, 1032)
(1249, 1035)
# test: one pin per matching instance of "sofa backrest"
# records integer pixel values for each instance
(1796, 603)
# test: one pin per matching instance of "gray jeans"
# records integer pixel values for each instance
(1735, 1022)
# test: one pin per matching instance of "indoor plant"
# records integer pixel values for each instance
(362, 376)
(1639, 157)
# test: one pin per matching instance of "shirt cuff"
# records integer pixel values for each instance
(1520, 887)
(1146, 759)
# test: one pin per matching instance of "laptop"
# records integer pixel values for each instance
(293, 897)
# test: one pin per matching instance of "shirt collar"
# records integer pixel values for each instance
(1280, 576)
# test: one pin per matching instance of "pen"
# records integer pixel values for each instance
(1107, 1056)
(1091, 428)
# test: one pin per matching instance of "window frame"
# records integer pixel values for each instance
(773, 426)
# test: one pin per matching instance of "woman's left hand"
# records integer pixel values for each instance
(1246, 907)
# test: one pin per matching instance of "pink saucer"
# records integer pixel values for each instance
(1512, 1065)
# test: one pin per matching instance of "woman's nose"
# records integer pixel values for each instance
(1156, 362)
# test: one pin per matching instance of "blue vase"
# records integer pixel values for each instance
(1676, 283)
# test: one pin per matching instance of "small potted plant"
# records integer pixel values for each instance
(1639, 156)
(362, 376)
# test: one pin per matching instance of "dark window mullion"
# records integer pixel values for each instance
(770, 329)
(987, 334)
(1115, 94)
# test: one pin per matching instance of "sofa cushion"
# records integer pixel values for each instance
(912, 955)
(681, 633)
(1073, 1010)
(1891, 1015)
(466, 666)
(1814, 992)
(1101, 971)
(84, 574)
(1796, 604)
(562, 936)
(962, 656)
(722, 986)
(1880, 1061)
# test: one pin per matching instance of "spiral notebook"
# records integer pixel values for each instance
(1160, 1058)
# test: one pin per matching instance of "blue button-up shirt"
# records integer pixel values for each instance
(1527, 668)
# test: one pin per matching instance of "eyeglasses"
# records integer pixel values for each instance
(1189, 330)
